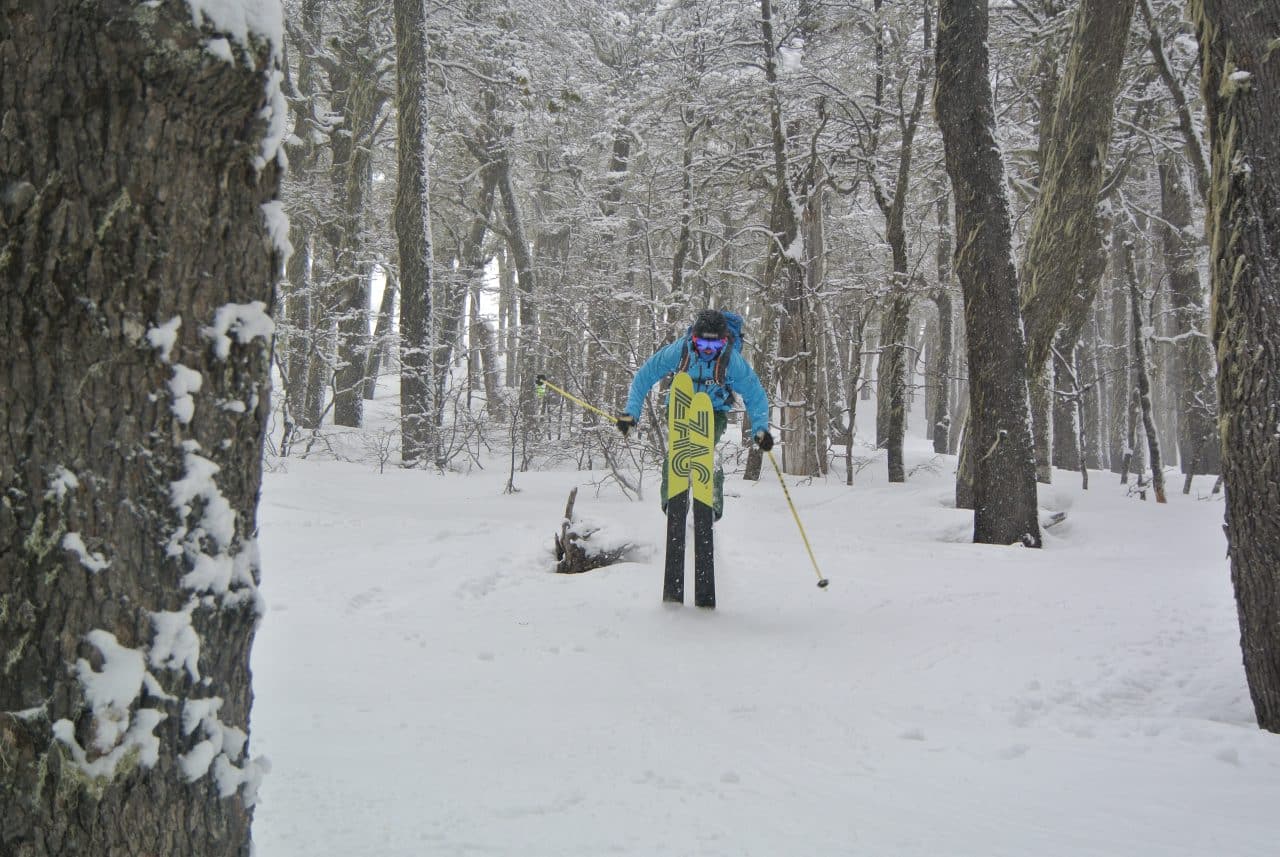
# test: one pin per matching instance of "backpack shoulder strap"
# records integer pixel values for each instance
(684, 359)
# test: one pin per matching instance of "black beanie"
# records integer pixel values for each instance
(710, 324)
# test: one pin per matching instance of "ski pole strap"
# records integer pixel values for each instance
(822, 581)
(542, 382)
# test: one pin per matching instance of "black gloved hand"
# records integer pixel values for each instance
(764, 440)
(625, 423)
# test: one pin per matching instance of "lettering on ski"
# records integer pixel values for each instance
(701, 437)
(677, 433)
(690, 463)
(689, 446)
(678, 404)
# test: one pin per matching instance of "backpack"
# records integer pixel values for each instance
(734, 322)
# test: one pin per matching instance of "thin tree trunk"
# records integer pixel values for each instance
(786, 271)
(940, 417)
(891, 367)
(381, 335)
(1119, 379)
(358, 100)
(1186, 123)
(1197, 411)
(518, 246)
(1138, 332)
(1066, 397)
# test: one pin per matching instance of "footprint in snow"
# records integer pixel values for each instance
(1013, 752)
(364, 599)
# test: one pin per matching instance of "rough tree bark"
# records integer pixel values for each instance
(139, 245)
(1065, 232)
(412, 220)
(1241, 79)
(1005, 508)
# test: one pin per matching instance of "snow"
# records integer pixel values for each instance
(218, 566)
(60, 482)
(791, 56)
(245, 322)
(164, 336)
(110, 693)
(246, 21)
(176, 644)
(182, 385)
(426, 685)
(277, 221)
(91, 560)
(220, 48)
(218, 519)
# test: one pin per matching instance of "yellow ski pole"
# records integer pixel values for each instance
(822, 581)
(543, 382)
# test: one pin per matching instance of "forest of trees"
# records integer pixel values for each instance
(597, 172)
(1009, 214)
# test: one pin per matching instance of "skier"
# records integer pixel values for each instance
(711, 354)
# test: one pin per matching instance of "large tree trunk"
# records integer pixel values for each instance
(413, 236)
(1241, 82)
(137, 277)
(1057, 290)
(1005, 508)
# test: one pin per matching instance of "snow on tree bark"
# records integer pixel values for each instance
(137, 280)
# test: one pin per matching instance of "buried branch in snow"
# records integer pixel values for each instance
(582, 546)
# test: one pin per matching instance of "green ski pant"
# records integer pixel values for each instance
(717, 483)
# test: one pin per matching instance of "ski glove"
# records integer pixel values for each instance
(764, 440)
(625, 423)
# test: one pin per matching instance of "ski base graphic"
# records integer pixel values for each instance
(690, 469)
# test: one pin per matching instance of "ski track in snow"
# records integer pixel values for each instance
(426, 686)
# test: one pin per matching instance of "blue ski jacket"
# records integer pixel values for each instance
(739, 378)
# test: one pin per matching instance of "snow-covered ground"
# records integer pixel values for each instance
(427, 686)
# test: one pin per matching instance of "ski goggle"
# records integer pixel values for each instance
(708, 346)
